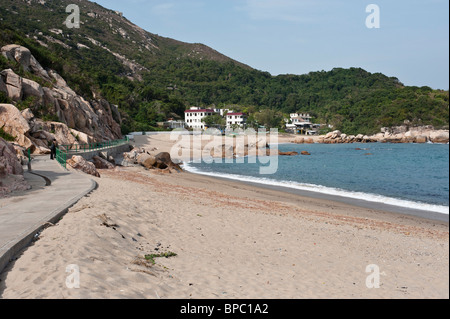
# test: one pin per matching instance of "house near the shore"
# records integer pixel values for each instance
(236, 120)
(301, 123)
(194, 117)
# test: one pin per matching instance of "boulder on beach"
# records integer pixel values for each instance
(101, 163)
(146, 160)
(299, 140)
(79, 163)
(164, 160)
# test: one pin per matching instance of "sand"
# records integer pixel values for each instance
(231, 241)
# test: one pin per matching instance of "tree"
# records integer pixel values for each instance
(269, 118)
(212, 120)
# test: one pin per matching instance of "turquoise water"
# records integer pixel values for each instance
(406, 175)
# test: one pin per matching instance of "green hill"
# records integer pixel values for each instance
(152, 78)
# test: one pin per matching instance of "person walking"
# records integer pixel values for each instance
(53, 148)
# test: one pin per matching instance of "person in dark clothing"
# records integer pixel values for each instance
(53, 148)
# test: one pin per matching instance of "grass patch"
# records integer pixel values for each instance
(151, 257)
(6, 136)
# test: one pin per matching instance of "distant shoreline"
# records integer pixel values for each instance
(429, 215)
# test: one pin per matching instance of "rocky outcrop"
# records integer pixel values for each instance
(24, 57)
(33, 133)
(12, 84)
(9, 163)
(337, 137)
(11, 171)
(146, 160)
(164, 161)
(132, 157)
(13, 123)
(161, 161)
(79, 163)
(400, 134)
(280, 153)
(305, 153)
(101, 163)
(418, 134)
(86, 121)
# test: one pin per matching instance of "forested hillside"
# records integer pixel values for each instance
(152, 78)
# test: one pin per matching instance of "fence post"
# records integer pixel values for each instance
(29, 159)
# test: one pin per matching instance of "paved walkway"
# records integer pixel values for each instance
(25, 214)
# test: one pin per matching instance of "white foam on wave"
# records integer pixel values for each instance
(326, 190)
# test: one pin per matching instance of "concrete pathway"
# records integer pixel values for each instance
(25, 214)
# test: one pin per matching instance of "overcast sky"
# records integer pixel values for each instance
(300, 36)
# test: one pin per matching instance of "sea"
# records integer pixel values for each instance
(408, 176)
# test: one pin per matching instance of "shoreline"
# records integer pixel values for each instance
(164, 144)
(314, 201)
(361, 203)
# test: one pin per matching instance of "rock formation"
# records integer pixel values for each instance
(305, 153)
(287, 153)
(399, 134)
(79, 121)
(79, 163)
(11, 171)
(101, 163)
(161, 161)
(418, 134)
(164, 160)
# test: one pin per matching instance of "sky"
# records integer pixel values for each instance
(301, 36)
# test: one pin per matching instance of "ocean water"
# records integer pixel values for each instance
(406, 175)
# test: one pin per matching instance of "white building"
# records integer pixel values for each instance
(301, 117)
(238, 119)
(301, 123)
(222, 112)
(194, 117)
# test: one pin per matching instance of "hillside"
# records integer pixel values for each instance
(151, 77)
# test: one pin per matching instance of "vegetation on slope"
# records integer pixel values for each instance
(153, 78)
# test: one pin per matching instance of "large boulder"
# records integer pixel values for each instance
(421, 139)
(13, 84)
(132, 156)
(32, 89)
(79, 163)
(24, 57)
(27, 115)
(439, 137)
(299, 140)
(101, 163)
(146, 160)
(11, 171)
(9, 163)
(13, 123)
(164, 160)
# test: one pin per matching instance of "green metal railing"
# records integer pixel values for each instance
(61, 157)
(63, 151)
(83, 148)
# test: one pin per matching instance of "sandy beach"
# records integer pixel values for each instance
(232, 241)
